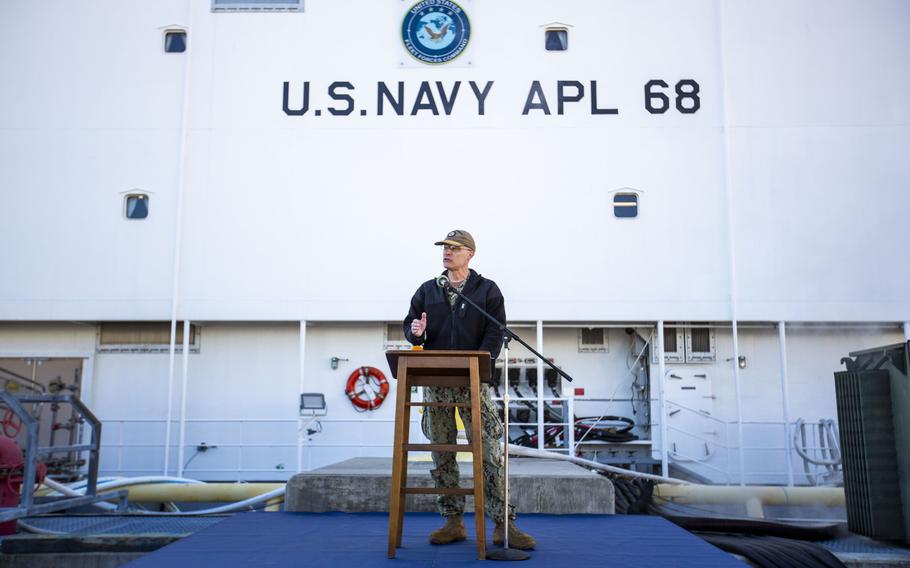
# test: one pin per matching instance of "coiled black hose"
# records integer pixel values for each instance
(765, 544)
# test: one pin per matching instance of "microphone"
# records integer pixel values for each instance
(442, 281)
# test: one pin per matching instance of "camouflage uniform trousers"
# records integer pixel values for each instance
(438, 425)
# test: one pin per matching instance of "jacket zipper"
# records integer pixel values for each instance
(453, 325)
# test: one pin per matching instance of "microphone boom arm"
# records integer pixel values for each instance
(506, 332)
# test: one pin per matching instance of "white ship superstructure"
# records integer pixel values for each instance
(731, 173)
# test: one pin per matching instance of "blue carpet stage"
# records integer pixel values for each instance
(360, 540)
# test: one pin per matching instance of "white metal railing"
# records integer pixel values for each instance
(816, 474)
(541, 426)
(296, 440)
(819, 458)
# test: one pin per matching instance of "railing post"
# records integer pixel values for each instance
(784, 389)
(541, 407)
(739, 406)
(301, 427)
(181, 437)
(662, 401)
(570, 420)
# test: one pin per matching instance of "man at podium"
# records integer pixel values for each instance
(440, 320)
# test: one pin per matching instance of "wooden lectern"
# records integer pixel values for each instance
(435, 369)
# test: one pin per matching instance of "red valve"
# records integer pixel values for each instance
(11, 473)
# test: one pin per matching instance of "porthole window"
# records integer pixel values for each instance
(174, 41)
(557, 39)
(625, 205)
(137, 206)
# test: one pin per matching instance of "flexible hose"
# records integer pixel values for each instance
(36, 530)
(801, 451)
(44, 491)
(832, 434)
(535, 453)
(229, 508)
(613, 395)
(115, 482)
(64, 490)
(129, 481)
(126, 482)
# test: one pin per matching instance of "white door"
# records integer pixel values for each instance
(690, 405)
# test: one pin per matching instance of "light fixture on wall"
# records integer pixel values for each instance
(335, 361)
(312, 403)
(741, 361)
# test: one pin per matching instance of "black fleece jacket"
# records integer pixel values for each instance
(461, 327)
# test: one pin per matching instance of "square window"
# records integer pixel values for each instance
(394, 337)
(175, 42)
(557, 40)
(670, 344)
(144, 337)
(674, 351)
(137, 206)
(625, 205)
(700, 345)
(593, 340)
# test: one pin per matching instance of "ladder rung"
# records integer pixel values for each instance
(438, 447)
(441, 404)
(438, 490)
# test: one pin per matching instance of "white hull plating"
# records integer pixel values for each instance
(773, 188)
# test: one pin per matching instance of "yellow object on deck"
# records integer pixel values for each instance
(460, 456)
(199, 493)
(753, 497)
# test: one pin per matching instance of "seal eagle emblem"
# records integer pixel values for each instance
(435, 31)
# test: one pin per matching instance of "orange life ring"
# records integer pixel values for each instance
(357, 388)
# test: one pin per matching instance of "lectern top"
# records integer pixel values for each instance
(449, 362)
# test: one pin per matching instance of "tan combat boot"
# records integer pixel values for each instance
(517, 539)
(452, 531)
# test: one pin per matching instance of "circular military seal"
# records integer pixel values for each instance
(435, 31)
